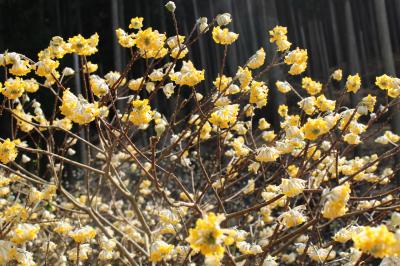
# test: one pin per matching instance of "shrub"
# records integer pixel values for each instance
(211, 182)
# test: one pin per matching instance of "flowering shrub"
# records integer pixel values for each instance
(215, 185)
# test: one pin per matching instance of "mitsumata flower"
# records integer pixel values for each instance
(224, 36)
(8, 150)
(78, 109)
(208, 237)
(188, 75)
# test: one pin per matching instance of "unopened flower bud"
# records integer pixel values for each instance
(202, 24)
(170, 6)
(71, 152)
(68, 71)
(25, 159)
(224, 19)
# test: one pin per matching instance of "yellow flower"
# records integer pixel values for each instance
(136, 23)
(314, 128)
(141, 113)
(283, 110)
(239, 147)
(113, 77)
(168, 217)
(57, 48)
(98, 85)
(178, 49)
(13, 88)
(20, 68)
(391, 136)
(293, 217)
(63, 228)
(63, 123)
(46, 67)
(258, 93)
(257, 59)
(84, 234)
(124, 39)
(263, 124)
(225, 116)
(90, 67)
(15, 213)
(84, 251)
(377, 241)
(346, 233)
(188, 75)
(394, 92)
(321, 254)
(222, 83)
(267, 154)
(352, 138)
(224, 36)
(278, 36)
(207, 236)
(384, 82)
(159, 250)
(292, 187)
(23, 119)
(134, 84)
(337, 198)
(353, 83)
(31, 85)
(311, 86)
(298, 61)
(24, 232)
(49, 192)
(244, 75)
(8, 252)
(283, 86)
(247, 248)
(292, 170)
(78, 109)
(278, 33)
(83, 46)
(151, 43)
(268, 136)
(324, 105)
(8, 150)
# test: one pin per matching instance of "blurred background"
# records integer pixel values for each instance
(357, 35)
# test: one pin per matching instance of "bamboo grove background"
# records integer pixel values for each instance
(357, 35)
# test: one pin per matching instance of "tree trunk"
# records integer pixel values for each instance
(388, 62)
(115, 24)
(353, 57)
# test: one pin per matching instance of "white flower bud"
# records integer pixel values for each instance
(224, 19)
(25, 159)
(202, 24)
(133, 168)
(71, 151)
(170, 6)
(36, 104)
(395, 219)
(199, 96)
(160, 128)
(25, 98)
(68, 71)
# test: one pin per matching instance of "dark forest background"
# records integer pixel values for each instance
(357, 35)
